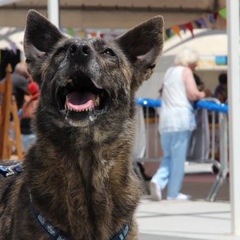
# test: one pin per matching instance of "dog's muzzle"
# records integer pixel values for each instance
(79, 97)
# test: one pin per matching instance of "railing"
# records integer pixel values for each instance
(212, 122)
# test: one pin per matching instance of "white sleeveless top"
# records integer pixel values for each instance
(176, 112)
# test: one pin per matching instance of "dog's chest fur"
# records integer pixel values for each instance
(89, 203)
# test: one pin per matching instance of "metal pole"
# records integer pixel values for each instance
(147, 122)
(234, 111)
(53, 12)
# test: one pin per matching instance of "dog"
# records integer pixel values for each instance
(77, 181)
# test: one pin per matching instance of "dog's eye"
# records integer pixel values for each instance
(61, 50)
(109, 52)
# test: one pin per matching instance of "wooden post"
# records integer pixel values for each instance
(6, 114)
(16, 128)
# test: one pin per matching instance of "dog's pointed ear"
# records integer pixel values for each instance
(39, 38)
(142, 45)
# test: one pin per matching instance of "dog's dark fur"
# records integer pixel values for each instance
(79, 171)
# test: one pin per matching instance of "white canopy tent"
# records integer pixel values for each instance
(11, 38)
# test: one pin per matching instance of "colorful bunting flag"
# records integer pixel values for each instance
(212, 17)
(176, 29)
(168, 32)
(198, 24)
(189, 26)
(71, 31)
(201, 23)
(223, 13)
(81, 33)
(93, 34)
(183, 27)
(114, 35)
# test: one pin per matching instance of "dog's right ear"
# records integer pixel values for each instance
(39, 38)
(142, 45)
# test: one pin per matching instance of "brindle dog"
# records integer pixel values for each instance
(77, 181)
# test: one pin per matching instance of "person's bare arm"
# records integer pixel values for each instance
(193, 93)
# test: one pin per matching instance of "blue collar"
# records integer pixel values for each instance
(123, 233)
(56, 234)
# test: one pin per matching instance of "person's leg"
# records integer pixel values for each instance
(161, 177)
(179, 147)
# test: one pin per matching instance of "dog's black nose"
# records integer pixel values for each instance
(77, 51)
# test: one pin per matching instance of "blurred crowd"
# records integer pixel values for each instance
(26, 93)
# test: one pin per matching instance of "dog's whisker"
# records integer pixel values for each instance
(67, 113)
(92, 116)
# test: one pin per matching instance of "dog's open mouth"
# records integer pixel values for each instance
(78, 101)
(80, 97)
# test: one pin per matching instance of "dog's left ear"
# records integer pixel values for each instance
(142, 45)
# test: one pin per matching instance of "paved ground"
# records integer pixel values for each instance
(157, 237)
(197, 219)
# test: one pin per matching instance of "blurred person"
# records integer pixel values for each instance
(26, 115)
(221, 91)
(20, 80)
(199, 82)
(177, 121)
(201, 86)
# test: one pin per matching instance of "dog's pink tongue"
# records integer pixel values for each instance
(80, 101)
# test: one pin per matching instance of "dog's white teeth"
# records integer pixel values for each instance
(78, 109)
(88, 109)
(97, 101)
(66, 106)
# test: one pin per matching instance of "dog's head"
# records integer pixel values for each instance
(88, 80)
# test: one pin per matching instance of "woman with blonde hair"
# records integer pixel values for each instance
(177, 121)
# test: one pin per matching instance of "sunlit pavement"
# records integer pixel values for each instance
(197, 219)
(179, 220)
